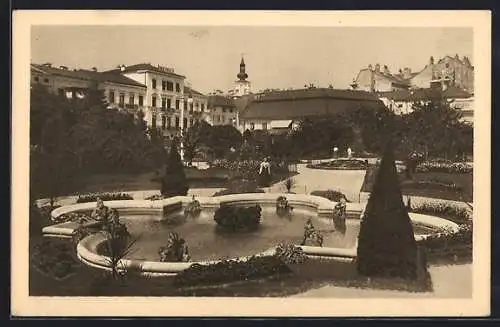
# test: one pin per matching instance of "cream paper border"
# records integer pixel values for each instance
(24, 305)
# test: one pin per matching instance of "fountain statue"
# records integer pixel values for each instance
(339, 215)
(176, 250)
(283, 208)
(312, 234)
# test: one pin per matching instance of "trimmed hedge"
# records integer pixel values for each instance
(456, 214)
(108, 196)
(228, 271)
(447, 242)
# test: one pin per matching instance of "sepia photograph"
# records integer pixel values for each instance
(268, 158)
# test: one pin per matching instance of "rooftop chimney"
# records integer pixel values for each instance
(431, 60)
(386, 70)
(122, 68)
(94, 69)
(47, 64)
(377, 68)
(370, 67)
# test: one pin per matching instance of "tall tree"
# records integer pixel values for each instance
(386, 242)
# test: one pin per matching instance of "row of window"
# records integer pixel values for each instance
(121, 99)
(37, 79)
(167, 85)
(166, 122)
(252, 126)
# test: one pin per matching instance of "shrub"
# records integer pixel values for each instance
(289, 183)
(174, 181)
(108, 196)
(386, 242)
(231, 271)
(238, 218)
(290, 253)
(331, 195)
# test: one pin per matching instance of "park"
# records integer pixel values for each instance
(115, 211)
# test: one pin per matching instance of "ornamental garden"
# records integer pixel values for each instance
(117, 213)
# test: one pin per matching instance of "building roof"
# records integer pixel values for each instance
(88, 75)
(452, 92)
(296, 104)
(146, 67)
(188, 90)
(220, 101)
(393, 78)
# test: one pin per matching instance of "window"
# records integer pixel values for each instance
(163, 103)
(177, 87)
(45, 80)
(223, 109)
(153, 121)
(131, 99)
(153, 82)
(264, 126)
(111, 97)
(169, 103)
(191, 122)
(169, 122)
(176, 122)
(163, 84)
(163, 122)
(177, 104)
(121, 100)
(252, 126)
(231, 110)
(141, 100)
(185, 105)
(202, 107)
(153, 101)
(185, 122)
(170, 86)
(37, 79)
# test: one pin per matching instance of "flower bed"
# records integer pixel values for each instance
(54, 258)
(238, 218)
(448, 243)
(231, 271)
(445, 167)
(109, 196)
(340, 164)
(459, 215)
(331, 195)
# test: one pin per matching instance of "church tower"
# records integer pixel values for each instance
(242, 86)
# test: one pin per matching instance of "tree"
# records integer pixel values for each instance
(386, 242)
(222, 138)
(194, 138)
(174, 181)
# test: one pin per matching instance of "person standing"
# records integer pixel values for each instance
(335, 152)
(349, 153)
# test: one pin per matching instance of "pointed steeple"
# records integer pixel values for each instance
(242, 75)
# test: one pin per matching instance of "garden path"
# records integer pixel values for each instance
(346, 181)
(444, 278)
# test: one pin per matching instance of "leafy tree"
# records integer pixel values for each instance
(174, 181)
(194, 139)
(386, 242)
(222, 138)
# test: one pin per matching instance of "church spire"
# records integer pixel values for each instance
(242, 75)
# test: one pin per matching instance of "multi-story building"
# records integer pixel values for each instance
(222, 110)
(457, 72)
(121, 92)
(197, 109)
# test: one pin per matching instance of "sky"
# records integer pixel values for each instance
(276, 57)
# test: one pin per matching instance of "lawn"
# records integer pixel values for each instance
(447, 186)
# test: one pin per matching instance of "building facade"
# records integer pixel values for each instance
(377, 79)
(222, 110)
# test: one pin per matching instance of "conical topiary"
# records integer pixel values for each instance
(386, 243)
(174, 181)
